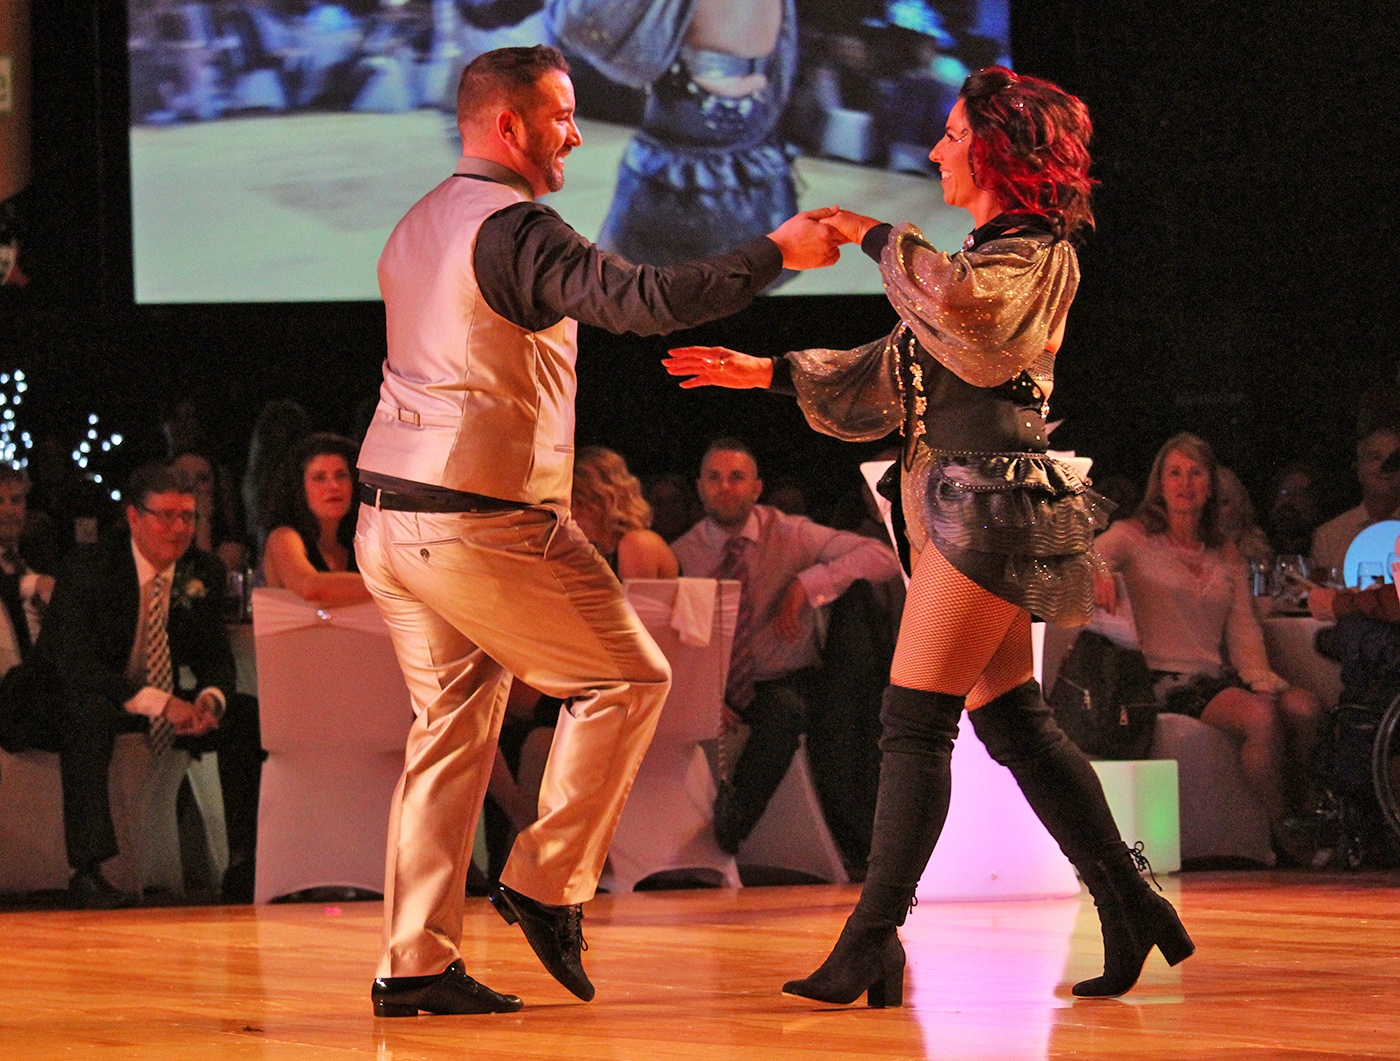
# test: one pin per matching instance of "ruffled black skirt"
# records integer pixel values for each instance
(1020, 525)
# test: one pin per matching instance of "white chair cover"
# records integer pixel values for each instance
(793, 834)
(667, 823)
(142, 793)
(335, 717)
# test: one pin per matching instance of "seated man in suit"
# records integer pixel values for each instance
(24, 592)
(789, 567)
(133, 641)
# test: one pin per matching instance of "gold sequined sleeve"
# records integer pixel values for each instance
(849, 394)
(985, 314)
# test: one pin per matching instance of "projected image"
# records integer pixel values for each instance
(274, 143)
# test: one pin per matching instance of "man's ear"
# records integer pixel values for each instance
(509, 128)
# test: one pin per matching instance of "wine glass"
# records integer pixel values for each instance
(1369, 573)
(1290, 581)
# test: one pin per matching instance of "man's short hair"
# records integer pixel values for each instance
(728, 445)
(10, 473)
(157, 478)
(504, 76)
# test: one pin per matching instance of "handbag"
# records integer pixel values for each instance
(1103, 699)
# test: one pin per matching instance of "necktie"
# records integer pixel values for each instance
(738, 689)
(158, 670)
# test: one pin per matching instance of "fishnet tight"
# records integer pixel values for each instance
(957, 638)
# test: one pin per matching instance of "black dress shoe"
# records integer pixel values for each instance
(450, 991)
(237, 886)
(88, 889)
(555, 933)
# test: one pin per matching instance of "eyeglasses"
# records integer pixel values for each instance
(170, 517)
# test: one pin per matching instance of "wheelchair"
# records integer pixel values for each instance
(1358, 815)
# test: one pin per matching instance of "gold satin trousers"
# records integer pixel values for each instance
(470, 600)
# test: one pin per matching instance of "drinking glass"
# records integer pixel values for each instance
(1369, 573)
(1290, 580)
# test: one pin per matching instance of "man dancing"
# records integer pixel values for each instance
(465, 537)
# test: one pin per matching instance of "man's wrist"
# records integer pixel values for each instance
(148, 701)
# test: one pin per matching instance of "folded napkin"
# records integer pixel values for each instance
(693, 613)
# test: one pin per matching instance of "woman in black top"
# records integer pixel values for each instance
(998, 530)
(311, 519)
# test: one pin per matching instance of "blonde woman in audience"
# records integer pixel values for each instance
(311, 520)
(609, 507)
(1190, 600)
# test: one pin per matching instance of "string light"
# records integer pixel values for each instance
(15, 444)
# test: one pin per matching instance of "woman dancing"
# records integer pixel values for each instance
(997, 530)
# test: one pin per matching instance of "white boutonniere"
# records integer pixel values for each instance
(187, 592)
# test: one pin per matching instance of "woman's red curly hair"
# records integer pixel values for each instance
(1030, 146)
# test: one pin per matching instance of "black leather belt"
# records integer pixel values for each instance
(441, 500)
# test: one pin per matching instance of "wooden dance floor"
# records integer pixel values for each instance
(1288, 965)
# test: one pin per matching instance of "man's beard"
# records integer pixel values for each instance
(551, 164)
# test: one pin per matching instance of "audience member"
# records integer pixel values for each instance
(216, 528)
(788, 497)
(280, 425)
(310, 518)
(1237, 519)
(134, 640)
(674, 506)
(789, 568)
(185, 432)
(1295, 510)
(1188, 591)
(1380, 499)
(74, 506)
(607, 503)
(24, 592)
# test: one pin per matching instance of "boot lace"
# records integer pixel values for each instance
(1140, 861)
(573, 926)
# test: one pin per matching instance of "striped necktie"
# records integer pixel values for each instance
(738, 688)
(158, 670)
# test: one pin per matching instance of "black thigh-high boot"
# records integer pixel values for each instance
(1062, 788)
(916, 749)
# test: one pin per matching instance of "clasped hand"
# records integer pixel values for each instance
(813, 239)
(191, 719)
(808, 240)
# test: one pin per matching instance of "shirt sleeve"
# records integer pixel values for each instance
(212, 699)
(534, 270)
(1377, 602)
(873, 245)
(985, 314)
(1244, 639)
(148, 701)
(842, 557)
(1116, 544)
